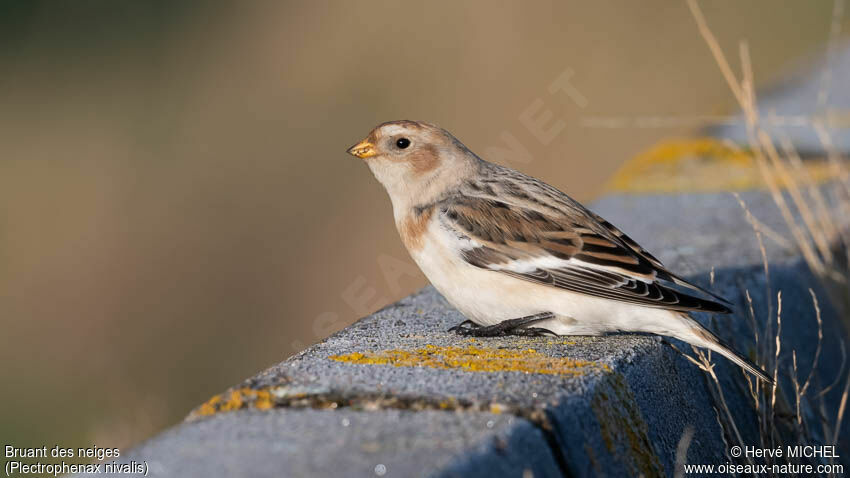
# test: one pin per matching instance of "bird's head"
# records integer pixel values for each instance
(413, 159)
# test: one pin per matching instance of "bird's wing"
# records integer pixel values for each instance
(661, 271)
(574, 251)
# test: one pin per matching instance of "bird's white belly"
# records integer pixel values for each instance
(488, 297)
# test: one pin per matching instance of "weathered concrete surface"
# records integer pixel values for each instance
(695, 233)
(421, 401)
(304, 442)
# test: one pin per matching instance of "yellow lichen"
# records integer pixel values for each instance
(263, 400)
(236, 399)
(701, 164)
(473, 359)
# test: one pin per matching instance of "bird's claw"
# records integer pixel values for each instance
(460, 328)
(505, 328)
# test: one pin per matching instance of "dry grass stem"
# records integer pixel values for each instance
(818, 348)
(840, 373)
(841, 409)
(682, 451)
(796, 383)
(777, 348)
(815, 229)
(765, 264)
(708, 367)
(825, 222)
(801, 237)
(709, 38)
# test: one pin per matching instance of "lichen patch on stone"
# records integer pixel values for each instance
(474, 359)
(285, 396)
(235, 399)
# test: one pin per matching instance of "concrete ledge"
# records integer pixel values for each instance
(395, 394)
(347, 442)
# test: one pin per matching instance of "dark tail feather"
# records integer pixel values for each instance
(702, 337)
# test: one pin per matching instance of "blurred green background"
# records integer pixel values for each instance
(177, 210)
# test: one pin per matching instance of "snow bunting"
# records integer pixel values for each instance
(517, 256)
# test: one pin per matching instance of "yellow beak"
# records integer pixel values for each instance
(362, 150)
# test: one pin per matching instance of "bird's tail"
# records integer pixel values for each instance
(698, 335)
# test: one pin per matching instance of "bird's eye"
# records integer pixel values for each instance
(402, 143)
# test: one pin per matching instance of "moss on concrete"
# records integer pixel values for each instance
(623, 428)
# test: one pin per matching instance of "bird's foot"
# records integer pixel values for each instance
(461, 326)
(531, 332)
(506, 327)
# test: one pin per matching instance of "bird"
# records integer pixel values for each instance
(517, 256)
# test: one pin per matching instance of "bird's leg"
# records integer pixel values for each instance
(506, 327)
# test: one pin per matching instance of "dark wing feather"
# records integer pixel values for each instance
(662, 271)
(595, 257)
